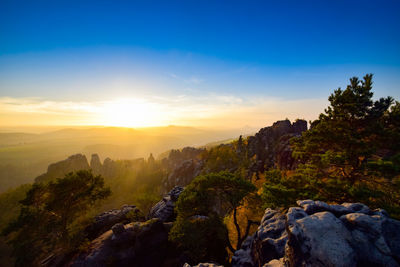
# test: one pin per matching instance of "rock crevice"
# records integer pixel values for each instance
(319, 234)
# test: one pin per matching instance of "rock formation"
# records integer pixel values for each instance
(318, 234)
(183, 174)
(60, 169)
(104, 221)
(120, 242)
(204, 265)
(271, 145)
(95, 164)
(176, 157)
(109, 168)
(134, 244)
(164, 209)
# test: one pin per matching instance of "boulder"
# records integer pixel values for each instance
(320, 240)
(164, 209)
(320, 234)
(204, 265)
(104, 221)
(270, 238)
(134, 244)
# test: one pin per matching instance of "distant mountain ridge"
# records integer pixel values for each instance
(23, 156)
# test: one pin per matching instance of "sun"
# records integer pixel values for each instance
(132, 113)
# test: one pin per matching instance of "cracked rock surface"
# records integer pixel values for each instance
(318, 234)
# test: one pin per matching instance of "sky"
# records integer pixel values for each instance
(212, 64)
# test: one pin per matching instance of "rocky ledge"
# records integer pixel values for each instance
(133, 244)
(122, 238)
(104, 221)
(164, 209)
(319, 234)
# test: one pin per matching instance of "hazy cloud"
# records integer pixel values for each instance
(211, 110)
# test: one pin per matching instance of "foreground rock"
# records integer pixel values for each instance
(203, 265)
(134, 244)
(104, 221)
(318, 234)
(164, 209)
(120, 242)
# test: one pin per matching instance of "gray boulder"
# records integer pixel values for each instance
(104, 221)
(164, 209)
(204, 265)
(320, 240)
(134, 244)
(320, 234)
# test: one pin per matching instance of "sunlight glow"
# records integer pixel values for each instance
(132, 113)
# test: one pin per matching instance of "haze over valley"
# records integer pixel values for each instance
(200, 133)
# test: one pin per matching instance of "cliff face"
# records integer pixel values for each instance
(271, 145)
(183, 166)
(60, 169)
(177, 157)
(108, 169)
(183, 174)
(318, 234)
(95, 164)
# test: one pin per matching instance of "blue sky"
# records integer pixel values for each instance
(211, 59)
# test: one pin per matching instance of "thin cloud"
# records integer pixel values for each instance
(194, 80)
(210, 110)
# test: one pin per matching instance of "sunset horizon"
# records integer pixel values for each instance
(198, 133)
(54, 72)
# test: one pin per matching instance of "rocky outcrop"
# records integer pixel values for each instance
(120, 241)
(104, 221)
(176, 156)
(95, 164)
(183, 174)
(319, 234)
(113, 168)
(271, 145)
(164, 209)
(60, 169)
(109, 168)
(204, 265)
(134, 244)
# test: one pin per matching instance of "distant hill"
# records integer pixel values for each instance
(23, 156)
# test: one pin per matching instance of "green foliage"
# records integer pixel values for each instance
(281, 190)
(10, 208)
(220, 158)
(49, 211)
(205, 191)
(201, 239)
(349, 154)
(140, 186)
(211, 196)
(9, 204)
